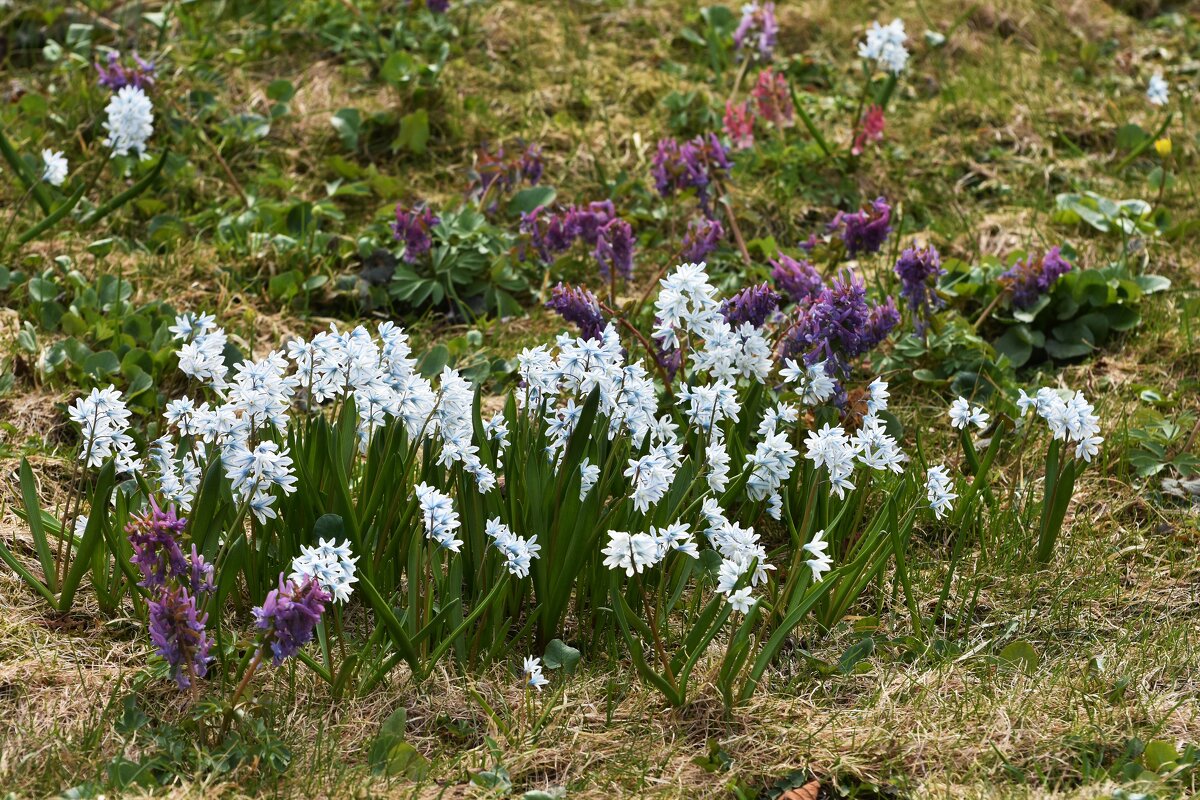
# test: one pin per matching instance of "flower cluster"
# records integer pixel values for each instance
(694, 164)
(885, 44)
(758, 25)
(531, 672)
(939, 491)
(54, 167)
(103, 419)
(518, 552)
(116, 76)
(833, 449)
(918, 270)
(1034, 276)
(413, 226)
(438, 515)
(773, 99)
(330, 565)
(702, 237)
(1073, 419)
(596, 225)
(798, 279)
(579, 307)
(754, 304)
(1158, 92)
(289, 616)
(502, 172)
(962, 415)
(870, 129)
(838, 325)
(130, 121)
(176, 628)
(865, 230)
(739, 124)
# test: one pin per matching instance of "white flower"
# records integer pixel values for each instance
(1157, 91)
(961, 415)
(632, 553)
(517, 551)
(877, 396)
(770, 465)
(820, 563)
(741, 601)
(103, 420)
(674, 537)
(831, 448)
(1025, 402)
(717, 458)
(439, 516)
(130, 121)
(885, 44)
(330, 564)
(589, 474)
(532, 672)
(55, 171)
(938, 486)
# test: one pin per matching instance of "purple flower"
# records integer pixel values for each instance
(692, 165)
(178, 634)
(865, 230)
(155, 549)
(614, 250)
(530, 165)
(798, 279)
(578, 306)
(289, 616)
(116, 76)
(588, 220)
(438, 6)
(412, 226)
(1030, 279)
(201, 578)
(838, 326)
(918, 271)
(760, 21)
(754, 304)
(670, 360)
(702, 237)
(550, 234)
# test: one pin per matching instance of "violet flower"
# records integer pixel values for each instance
(413, 226)
(918, 271)
(578, 306)
(438, 6)
(155, 548)
(702, 237)
(117, 76)
(177, 631)
(504, 172)
(798, 279)
(864, 231)
(839, 326)
(289, 616)
(550, 233)
(754, 304)
(757, 21)
(530, 166)
(774, 99)
(614, 250)
(1030, 279)
(691, 165)
(588, 220)
(201, 578)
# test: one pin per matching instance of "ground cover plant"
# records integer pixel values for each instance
(606, 399)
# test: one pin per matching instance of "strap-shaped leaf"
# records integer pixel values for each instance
(92, 535)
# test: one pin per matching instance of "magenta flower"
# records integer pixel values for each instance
(774, 99)
(289, 616)
(870, 129)
(739, 125)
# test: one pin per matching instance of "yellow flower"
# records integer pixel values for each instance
(1163, 146)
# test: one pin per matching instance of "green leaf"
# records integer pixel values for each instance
(1158, 754)
(1020, 655)
(414, 132)
(101, 365)
(329, 526)
(91, 536)
(33, 517)
(858, 651)
(399, 68)
(433, 362)
(527, 200)
(560, 655)
(1153, 283)
(348, 123)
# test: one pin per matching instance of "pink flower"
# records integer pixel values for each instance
(739, 125)
(773, 98)
(870, 130)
